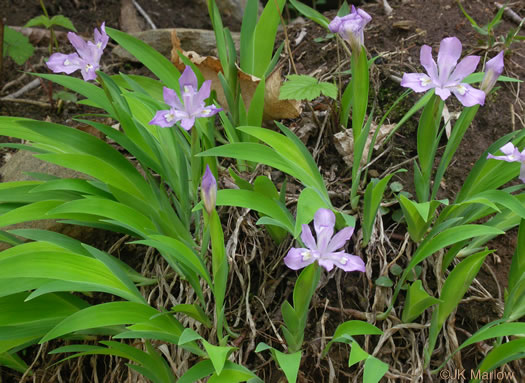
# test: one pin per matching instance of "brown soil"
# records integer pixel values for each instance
(341, 297)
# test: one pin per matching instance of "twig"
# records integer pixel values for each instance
(510, 13)
(144, 14)
(29, 86)
(26, 101)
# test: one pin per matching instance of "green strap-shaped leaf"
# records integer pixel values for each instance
(120, 213)
(65, 267)
(264, 37)
(311, 13)
(455, 286)
(373, 197)
(102, 315)
(258, 202)
(498, 356)
(445, 238)
(153, 60)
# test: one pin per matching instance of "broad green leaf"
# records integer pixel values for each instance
(62, 21)
(38, 21)
(16, 46)
(217, 354)
(289, 363)
(357, 354)
(347, 330)
(384, 281)
(417, 301)
(374, 370)
(301, 87)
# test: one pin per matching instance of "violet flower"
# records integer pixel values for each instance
(493, 69)
(208, 190)
(87, 57)
(446, 76)
(351, 27)
(324, 251)
(512, 154)
(192, 105)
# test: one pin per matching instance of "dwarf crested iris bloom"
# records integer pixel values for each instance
(493, 69)
(446, 77)
(192, 105)
(324, 251)
(208, 190)
(87, 57)
(351, 26)
(512, 154)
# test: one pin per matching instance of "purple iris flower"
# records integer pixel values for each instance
(493, 69)
(351, 27)
(87, 57)
(512, 154)
(324, 251)
(209, 190)
(192, 105)
(446, 76)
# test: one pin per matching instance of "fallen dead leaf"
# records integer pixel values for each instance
(344, 142)
(209, 66)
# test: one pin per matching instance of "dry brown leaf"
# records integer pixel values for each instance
(344, 142)
(209, 66)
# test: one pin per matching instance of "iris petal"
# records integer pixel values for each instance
(297, 258)
(448, 56)
(428, 62)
